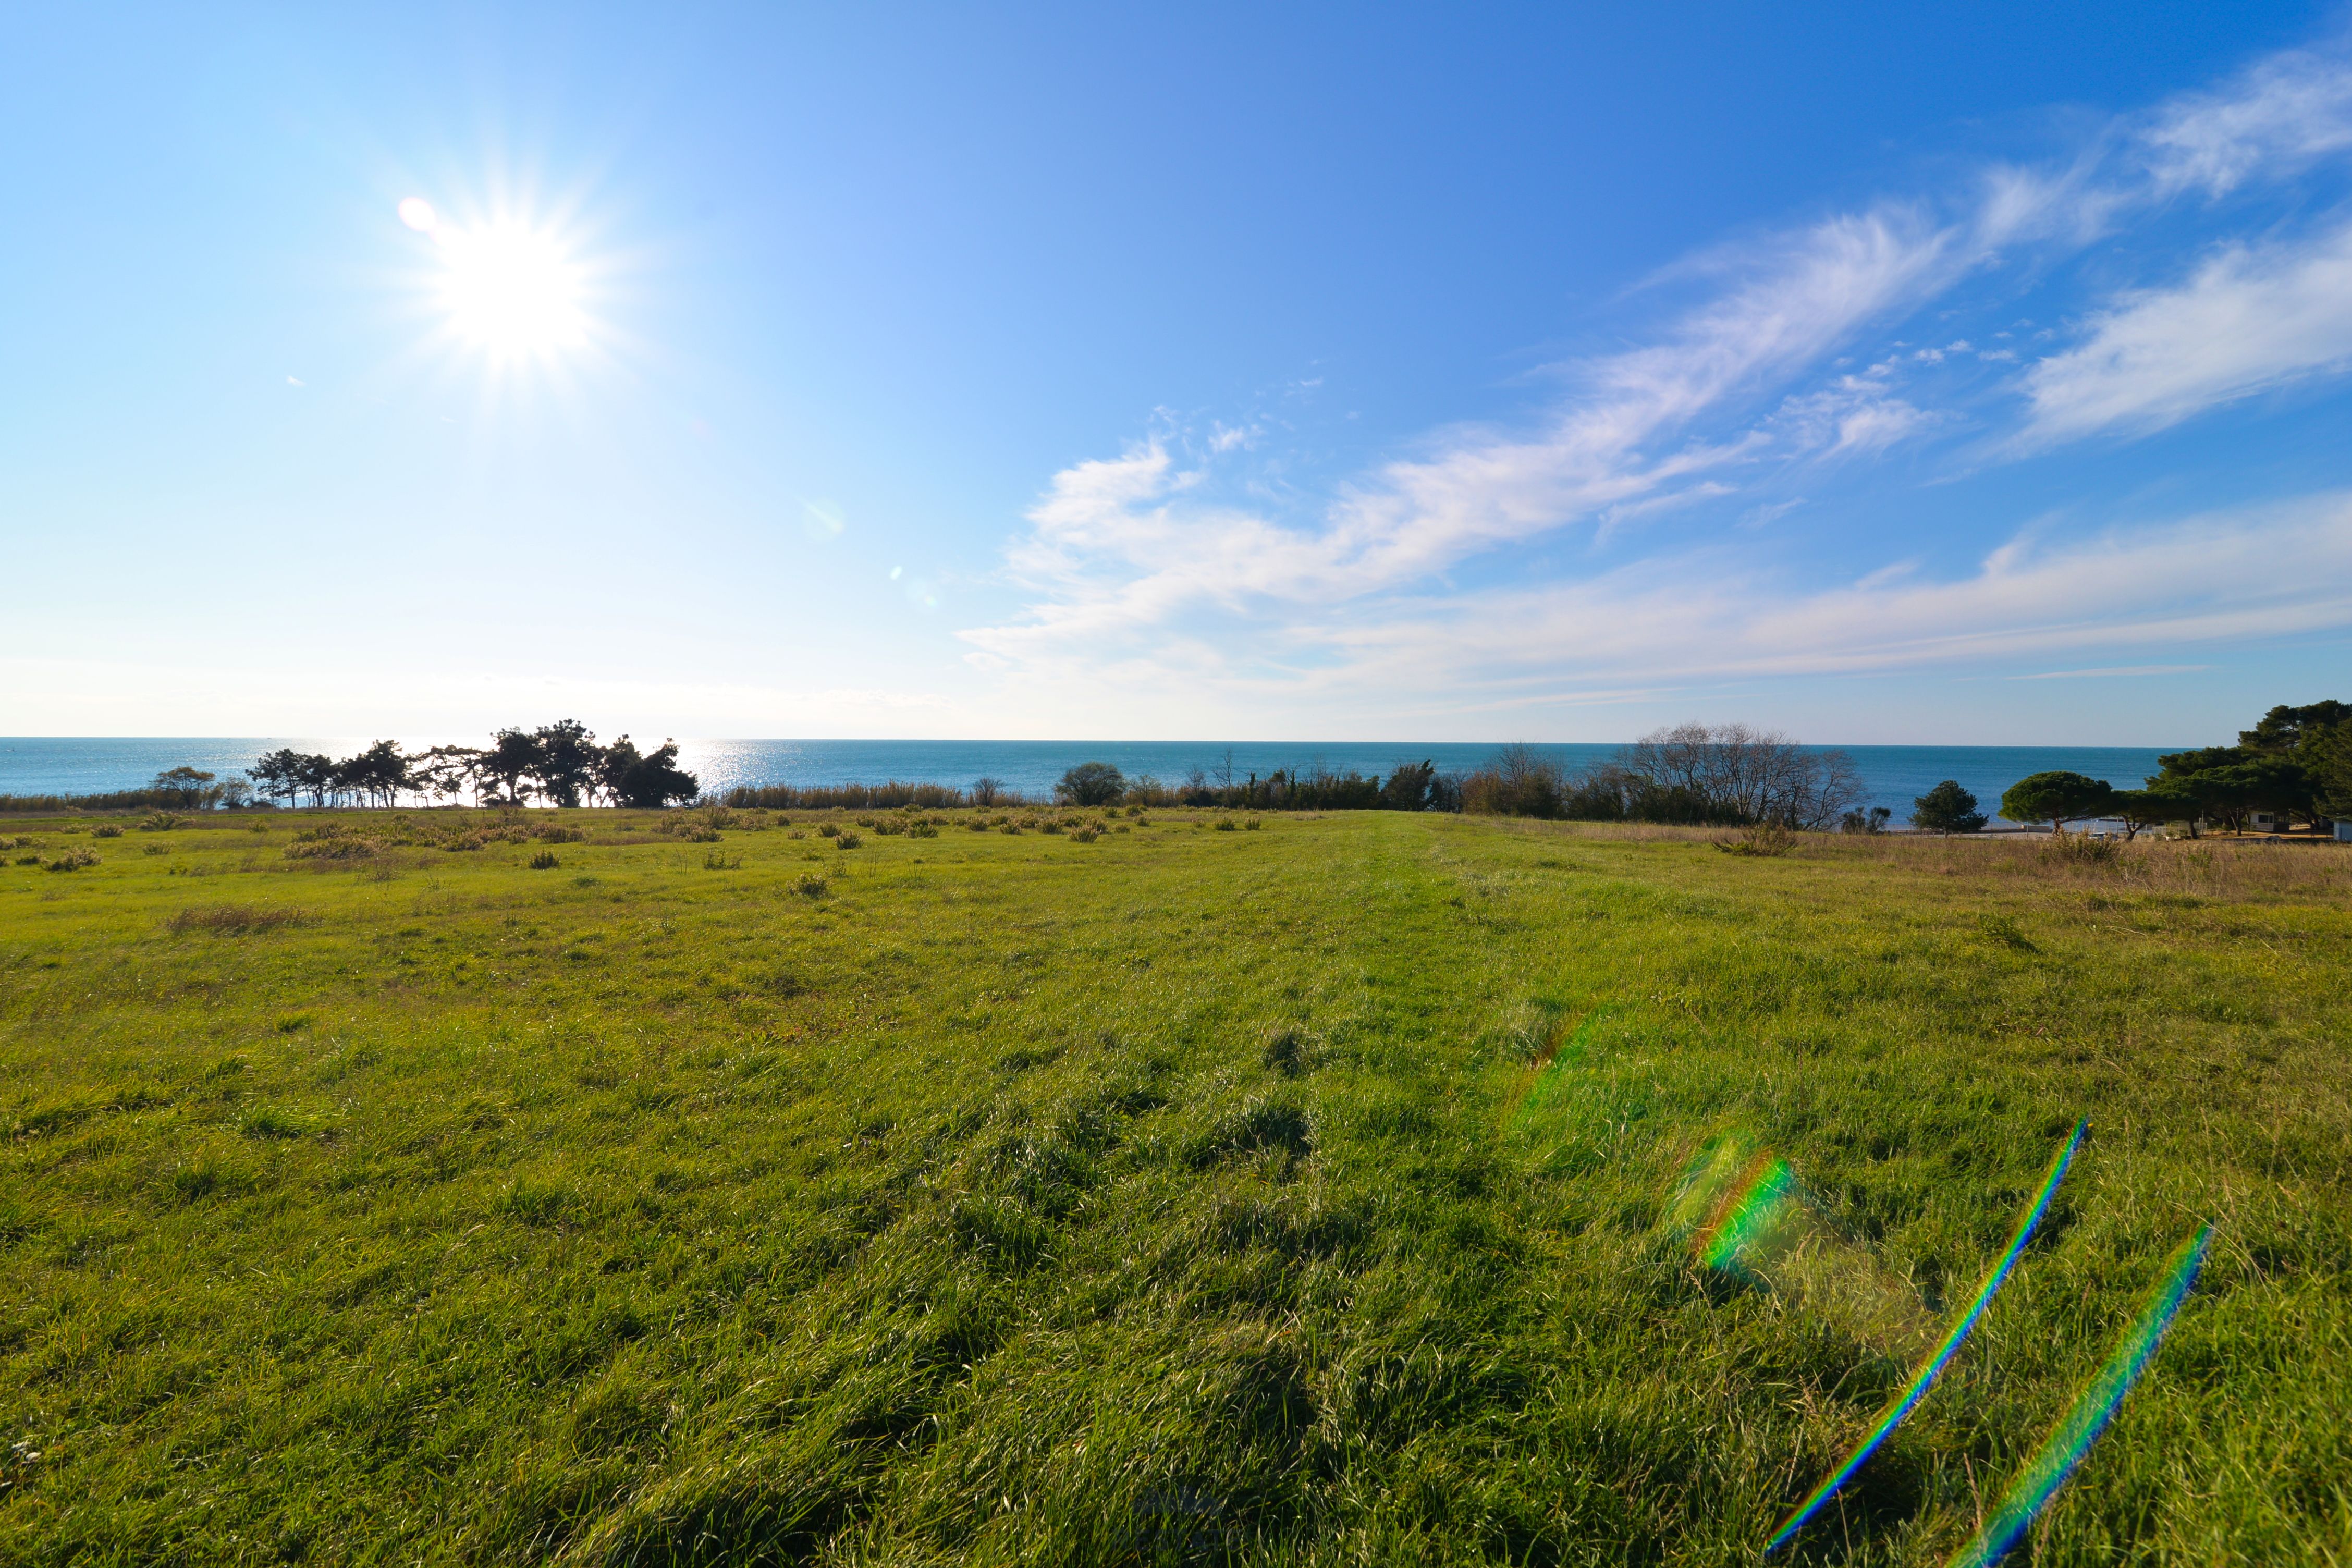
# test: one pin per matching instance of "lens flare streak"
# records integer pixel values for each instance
(2072, 1438)
(1934, 1366)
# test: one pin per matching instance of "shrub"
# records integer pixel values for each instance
(888, 826)
(544, 860)
(1947, 808)
(556, 834)
(852, 797)
(1091, 784)
(1082, 836)
(976, 826)
(922, 830)
(28, 859)
(715, 861)
(1761, 838)
(2077, 849)
(830, 830)
(161, 821)
(106, 830)
(847, 841)
(1251, 825)
(73, 859)
(1225, 824)
(810, 885)
(1052, 826)
(1011, 829)
(797, 833)
(2004, 931)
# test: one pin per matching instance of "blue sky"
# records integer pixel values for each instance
(1967, 374)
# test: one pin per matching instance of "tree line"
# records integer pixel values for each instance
(2297, 763)
(1726, 776)
(559, 763)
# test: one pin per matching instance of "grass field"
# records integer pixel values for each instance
(1297, 1195)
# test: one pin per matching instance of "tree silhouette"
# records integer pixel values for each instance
(568, 757)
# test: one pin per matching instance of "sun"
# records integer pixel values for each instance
(506, 289)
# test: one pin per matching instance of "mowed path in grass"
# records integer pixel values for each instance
(992, 1197)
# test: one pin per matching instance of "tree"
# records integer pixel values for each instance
(447, 772)
(184, 786)
(2152, 807)
(513, 756)
(2056, 798)
(567, 756)
(315, 774)
(1948, 808)
(274, 774)
(1731, 773)
(2284, 729)
(1409, 787)
(2328, 760)
(1091, 784)
(654, 780)
(613, 765)
(1871, 821)
(984, 790)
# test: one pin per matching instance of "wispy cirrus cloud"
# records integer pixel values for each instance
(2271, 121)
(1142, 569)
(2250, 319)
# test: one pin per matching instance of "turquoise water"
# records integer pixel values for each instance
(1892, 775)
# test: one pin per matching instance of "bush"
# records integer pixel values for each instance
(161, 821)
(2077, 849)
(889, 797)
(922, 830)
(106, 830)
(73, 859)
(1091, 784)
(847, 841)
(544, 860)
(810, 885)
(1947, 808)
(829, 830)
(1082, 836)
(1761, 838)
(1225, 824)
(1251, 825)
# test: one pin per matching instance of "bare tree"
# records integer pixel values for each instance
(1750, 775)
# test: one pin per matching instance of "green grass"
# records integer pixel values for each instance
(1181, 1195)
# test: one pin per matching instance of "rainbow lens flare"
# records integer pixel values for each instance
(1933, 1367)
(1753, 1217)
(1542, 1092)
(2072, 1437)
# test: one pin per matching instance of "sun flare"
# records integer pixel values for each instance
(506, 289)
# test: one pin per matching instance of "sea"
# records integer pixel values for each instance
(1893, 776)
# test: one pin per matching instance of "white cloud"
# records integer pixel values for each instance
(2247, 320)
(2123, 670)
(1143, 580)
(2275, 119)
